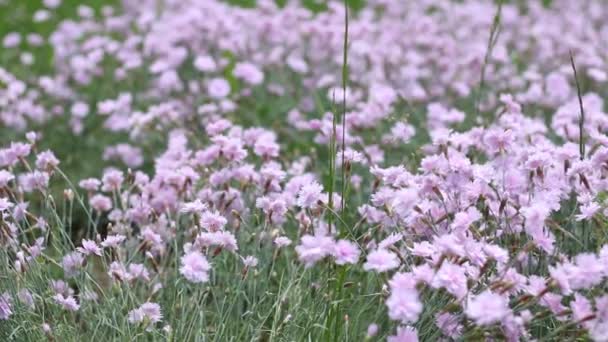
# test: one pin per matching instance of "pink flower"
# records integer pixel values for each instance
(390, 240)
(118, 271)
(113, 240)
(499, 140)
(138, 271)
(5, 204)
(346, 252)
(581, 308)
(250, 261)
(218, 88)
(464, 219)
(11, 40)
(350, 157)
(72, 263)
(404, 334)
(249, 73)
(89, 247)
(599, 331)
(5, 178)
(451, 277)
(297, 64)
(313, 248)
(61, 287)
(282, 241)
(404, 304)
(221, 239)
(34, 181)
(25, 297)
(52, 3)
(212, 221)
(90, 184)
(46, 160)
(80, 109)
(147, 312)
(403, 132)
(194, 267)
(100, 203)
(381, 260)
(588, 211)
(487, 308)
(449, 324)
(372, 330)
(5, 306)
(309, 195)
(205, 63)
(68, 303)
(112, 180)
(196, 207)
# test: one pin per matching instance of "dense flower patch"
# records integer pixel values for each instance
(444, 177)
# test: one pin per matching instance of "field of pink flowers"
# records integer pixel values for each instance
(378, 170)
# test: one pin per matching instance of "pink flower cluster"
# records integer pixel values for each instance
(482, 219)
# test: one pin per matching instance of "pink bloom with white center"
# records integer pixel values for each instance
(194, 267)
(381, 260)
